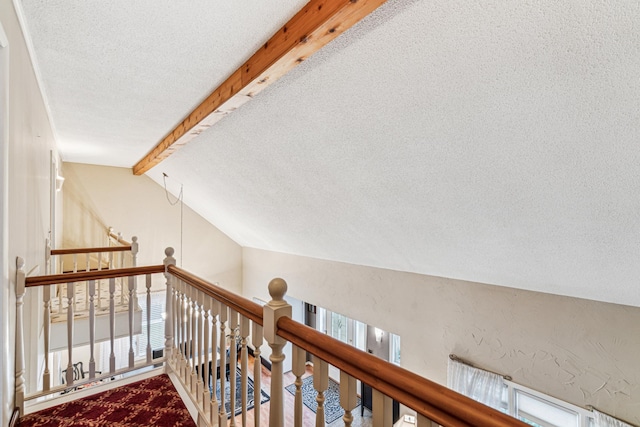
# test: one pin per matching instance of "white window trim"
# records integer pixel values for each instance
(585, 416)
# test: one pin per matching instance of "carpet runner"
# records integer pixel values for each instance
(264, 397)
(332, 408)
(151, 402)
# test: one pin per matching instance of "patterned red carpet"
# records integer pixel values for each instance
(152, 402)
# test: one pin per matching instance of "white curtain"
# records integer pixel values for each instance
(604, 420)
(485, 387)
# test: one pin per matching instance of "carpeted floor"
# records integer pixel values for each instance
(152, 402)
(332, 408)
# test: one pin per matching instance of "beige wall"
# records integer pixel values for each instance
(582, 351)
(96, 197)
(26, 180)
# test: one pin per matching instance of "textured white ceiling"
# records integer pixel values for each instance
(119, 75)
(493, 141)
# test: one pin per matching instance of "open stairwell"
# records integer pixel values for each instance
(207, 335)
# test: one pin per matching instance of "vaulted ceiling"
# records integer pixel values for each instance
(493, 141)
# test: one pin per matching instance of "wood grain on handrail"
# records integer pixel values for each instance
(242, 305)
(72, 251)
(428, 398)
(82, 276)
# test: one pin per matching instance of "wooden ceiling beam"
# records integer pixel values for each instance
(315, 25)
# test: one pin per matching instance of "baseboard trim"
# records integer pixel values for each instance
(265, 363)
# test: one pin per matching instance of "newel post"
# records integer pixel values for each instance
(168, 321)
(272, 311)
(20, 290)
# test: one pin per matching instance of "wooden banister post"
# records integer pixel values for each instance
(20, 290)
(168, 321)
(272, 311)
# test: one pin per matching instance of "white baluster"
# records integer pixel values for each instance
(75, 270)
(233, 363)
(299, 357)
(58, 296)
(186, 334)
(215, 309)
(177, 322)
(92, 329)
(47, 257)
(86, 285)
(123, 291)
(348, 396)
(169, 306)
(99, 295)
(46, 296)
(184, 305)
(70, 305)
(222, 415)
(132, 288)
(148, 286)
(320, 384)
(112, 323)
(256, 340)
(20, 363)
(193, 338)
(134, 252)
(199, 324)
(206, 368)
(272, 311)
(382, 409)
(111, 260)
(244, 367)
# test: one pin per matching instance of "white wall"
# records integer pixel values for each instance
(30, 140)
(581, 351)
(96, 197)
(4, 213)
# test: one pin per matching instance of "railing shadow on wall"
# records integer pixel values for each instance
(205, 321)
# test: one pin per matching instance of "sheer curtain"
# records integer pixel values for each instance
(604, 420)
(485, 387)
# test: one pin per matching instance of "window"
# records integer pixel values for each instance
(542, 413)
(339, 327)
(532, 407)
(394, 353)
(361, 335)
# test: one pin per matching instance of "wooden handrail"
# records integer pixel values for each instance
(242, 305)
(119, 239)
(434, 401)
(72, 251)
(82, 276)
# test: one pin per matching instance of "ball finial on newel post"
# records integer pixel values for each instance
(277, 290)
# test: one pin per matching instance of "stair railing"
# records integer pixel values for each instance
(73, 325)
(123, 254)
(205, 322)
(196, 307)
